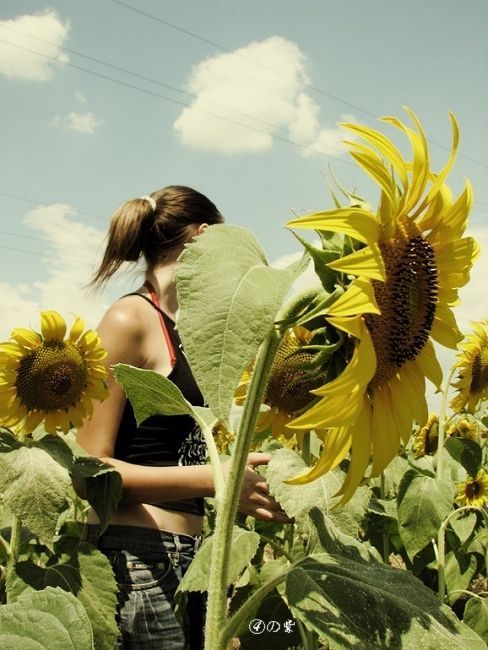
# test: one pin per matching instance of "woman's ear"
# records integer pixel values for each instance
(201, 229)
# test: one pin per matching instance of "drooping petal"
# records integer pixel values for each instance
(385, 441)
(337, 444)
(76, 329)
(444, 329)
(26, 338)
(358, 299)
(429, 365)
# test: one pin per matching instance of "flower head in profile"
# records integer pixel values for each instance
(474, 491)
(288, 388)
(472, 382)
(406, 275)
(47, 377)
(426, 439)
(463, 428)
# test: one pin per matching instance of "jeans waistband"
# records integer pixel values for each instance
(140, 537)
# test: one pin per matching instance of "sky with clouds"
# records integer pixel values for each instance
(106, 100)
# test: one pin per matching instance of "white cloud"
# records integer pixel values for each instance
(71, 254)
(80, 97)
(258, 86)
(81, 122)
(18, 63)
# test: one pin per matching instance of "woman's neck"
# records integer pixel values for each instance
(162, 279)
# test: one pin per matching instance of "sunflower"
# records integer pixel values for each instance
(45, 377)
(474, 491)
(288, 388)
(463, 429)
(426, 439)
(472, 381)
(406, 279)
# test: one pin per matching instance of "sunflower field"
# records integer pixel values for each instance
(389, 541)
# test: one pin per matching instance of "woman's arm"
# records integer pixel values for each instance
(123, 331)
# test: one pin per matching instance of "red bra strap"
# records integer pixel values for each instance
(169, 342)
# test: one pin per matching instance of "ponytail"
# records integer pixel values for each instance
(155, 227)
(126, 237)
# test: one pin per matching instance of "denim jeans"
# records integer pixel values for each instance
(148, 565)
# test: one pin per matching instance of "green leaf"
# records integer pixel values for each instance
(464, 525)
(423, 503)
(476, 616)
(271, 608)
(88, 575)
(359, 604)
(297, 500)
(459, 570)
(46, 619)
(152, 394)
(103, 486)
(467, 452)
(34, 486)
(244, 546)
(229, 298)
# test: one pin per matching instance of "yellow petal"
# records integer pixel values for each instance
(77, 329)
(457, 255)
(336, 446)
(27, 338)
(384, 145)
(444, 328)
(367, 262)
(414, 390)
(33, 420)
(385, 440)
(455, 220)
(355, 222)
(360, 453)
(401, 407)
(353, 325)
(430, 366)
(375, 167)
(53, 326)
(357, 299)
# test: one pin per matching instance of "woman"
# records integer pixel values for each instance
(156, 530)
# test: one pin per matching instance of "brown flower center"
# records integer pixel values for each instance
(51, 377)
(407, 301)
(287, 389)
(479, 379)
(473, 490)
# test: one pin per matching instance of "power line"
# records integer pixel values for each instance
(34, 238)
(36, 202)
(39, 254)
(263, 65)
(161, 84)
(176, 101)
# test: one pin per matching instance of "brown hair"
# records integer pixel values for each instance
(157, 234)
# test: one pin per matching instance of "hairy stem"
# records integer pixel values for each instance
(441, 549)
(442, 423)
(386, 539)
(217, 588)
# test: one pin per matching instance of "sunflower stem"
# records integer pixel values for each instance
(306, 448)
(386, 539)
(442, 424)
(441, 550)
(217, 587)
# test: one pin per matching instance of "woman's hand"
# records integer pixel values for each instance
(255, 499)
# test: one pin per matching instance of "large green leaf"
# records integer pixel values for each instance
(358, 604)
(87, 574)
(34, 486)
(476, 616)
(423, 504)
(297, 500)
(229, 298)
(47, 619)
(459, 570)
(103, 485)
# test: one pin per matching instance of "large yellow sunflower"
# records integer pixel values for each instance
(472, 381)
(287, 390)
(408, 273)
(45, 377)
(474, 491)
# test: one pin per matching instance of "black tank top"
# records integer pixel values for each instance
(166, 440)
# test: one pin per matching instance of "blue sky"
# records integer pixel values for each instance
(237, 99)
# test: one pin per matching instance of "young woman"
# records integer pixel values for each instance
(154, 534)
